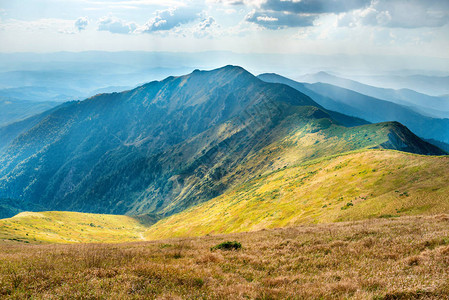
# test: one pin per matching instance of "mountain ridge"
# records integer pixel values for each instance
(432, 106)
(167, 145)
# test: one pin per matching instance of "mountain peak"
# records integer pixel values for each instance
(228, 69)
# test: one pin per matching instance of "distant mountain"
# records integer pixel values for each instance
(110, 89)
(40, 94)
(374, 110)
(428, 105)
(13, 110)
(431, 85)
(167, 145)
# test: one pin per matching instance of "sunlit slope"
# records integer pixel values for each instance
(374, 183)
(70, 227)
(352, 186)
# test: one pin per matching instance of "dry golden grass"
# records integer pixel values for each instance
(394, 258)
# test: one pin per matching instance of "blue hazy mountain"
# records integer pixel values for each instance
(369, 108)
(427, 84)
(428, 105)
(167, 145)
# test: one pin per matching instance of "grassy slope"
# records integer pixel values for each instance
(70, 227)
(374, 182)
(399, 258)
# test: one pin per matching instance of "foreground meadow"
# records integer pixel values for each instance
(385, 258)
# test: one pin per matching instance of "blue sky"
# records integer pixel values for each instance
(388, 27)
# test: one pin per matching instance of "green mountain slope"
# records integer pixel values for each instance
(353, 186)
(168, 145)
(71, 227)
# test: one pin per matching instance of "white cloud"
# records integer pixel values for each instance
(278, 20)
(170, 18)
(399, 14)
(227, 2)
(205, 28)
(115, 25)
(266, 19)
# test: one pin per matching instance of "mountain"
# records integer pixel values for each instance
(168, 145)
(13, 110)
(432, 85)
(11, 131)
(353, 186)
(374, 110)
(39, 93)
(428, 105)
(71, 227)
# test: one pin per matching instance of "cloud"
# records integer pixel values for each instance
(278, 20)
(115, 25)
(227, 2)
(278, 14)
(170, 18)
(204, 28)
(399, 14)
(81, 23)
(314, 6)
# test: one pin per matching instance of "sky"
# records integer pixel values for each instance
(385, 27)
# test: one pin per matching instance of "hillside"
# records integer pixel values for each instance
(371, 109)
(70, 227)
(169, 145)
(396, 258)
(10, 132)
(353, 186)
(13, 110)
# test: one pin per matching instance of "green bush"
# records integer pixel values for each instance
(227, 246)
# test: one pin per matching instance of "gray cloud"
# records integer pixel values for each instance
(278, 20)
(400, 14)
(115, 25)
(81, 23)
(314, 6)
(170, 18)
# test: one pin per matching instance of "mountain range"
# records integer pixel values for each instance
(369, 108)
(432, 106)
(169, 145)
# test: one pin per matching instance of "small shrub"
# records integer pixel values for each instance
(227, 246)
(347, 205)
